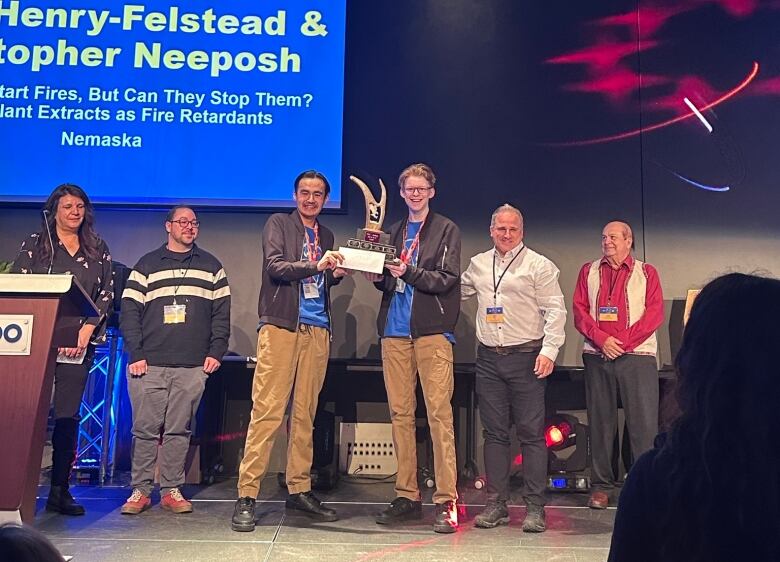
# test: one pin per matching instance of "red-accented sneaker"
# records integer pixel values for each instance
(446, 517)
(175, 502)
(136, 503)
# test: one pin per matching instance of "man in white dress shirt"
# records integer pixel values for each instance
(520, 328)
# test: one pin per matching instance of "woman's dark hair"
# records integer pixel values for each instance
(88, 238)
(312, 174)
(25, 544)
(723, 449)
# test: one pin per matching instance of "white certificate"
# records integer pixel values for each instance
(362, 260)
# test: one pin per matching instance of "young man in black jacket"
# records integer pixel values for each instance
(293, 346)
(417, 317)
(176, 323)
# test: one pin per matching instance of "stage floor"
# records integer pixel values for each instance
(574, 532)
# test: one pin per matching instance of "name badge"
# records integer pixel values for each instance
(400, 285)
(174, 313)
(495, 314)
(310, 291)
(608, 314)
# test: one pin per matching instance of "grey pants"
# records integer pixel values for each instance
(636, 378)
(164, 399)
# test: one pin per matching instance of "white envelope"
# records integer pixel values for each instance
(362, 260)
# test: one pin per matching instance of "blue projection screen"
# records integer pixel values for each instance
(156, 102)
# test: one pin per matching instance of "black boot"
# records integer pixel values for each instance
(61, 501)
(63, 456)
(400, 509)
(446, 517)
(244, 515)
(494, 514)
(307, 503)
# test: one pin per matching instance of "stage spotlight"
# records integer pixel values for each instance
(560, 432)
(568, 452)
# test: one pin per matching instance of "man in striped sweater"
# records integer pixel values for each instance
(176, 323)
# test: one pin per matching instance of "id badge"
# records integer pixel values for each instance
(400, 285)
(310, 291)
(495, 314)
(174, 313)
(608, 314)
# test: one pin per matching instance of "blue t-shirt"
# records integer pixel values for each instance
(400, 313)
(312, 311)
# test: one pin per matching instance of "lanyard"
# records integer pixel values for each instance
(497, 283)
(313, 249)
(184, 273)
(407, 253)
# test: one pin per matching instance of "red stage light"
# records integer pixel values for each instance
(557, 434)
(553, 436)
(518, 460)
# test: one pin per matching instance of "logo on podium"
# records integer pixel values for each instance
(15, 334)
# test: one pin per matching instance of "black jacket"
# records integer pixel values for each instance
(435, 278)
(283, 269)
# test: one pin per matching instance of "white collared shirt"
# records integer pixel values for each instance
(529, 293)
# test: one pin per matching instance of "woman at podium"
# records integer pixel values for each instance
(67, 244)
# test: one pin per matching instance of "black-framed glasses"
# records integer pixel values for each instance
(184, 223)
(420, 190)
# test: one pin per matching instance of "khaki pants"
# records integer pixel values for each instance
(287, 362)
(402, 359)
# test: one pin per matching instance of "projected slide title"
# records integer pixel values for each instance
(216, 105)
(132, 17)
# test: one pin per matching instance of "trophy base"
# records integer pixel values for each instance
(387, 249)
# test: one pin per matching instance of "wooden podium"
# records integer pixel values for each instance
(38, 314)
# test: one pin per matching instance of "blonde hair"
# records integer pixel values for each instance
(421, 170)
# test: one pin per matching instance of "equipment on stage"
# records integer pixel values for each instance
(568, 450)
(367, 449)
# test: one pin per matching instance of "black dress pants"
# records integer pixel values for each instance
(636, 378)
(509, 392)
(69, 383)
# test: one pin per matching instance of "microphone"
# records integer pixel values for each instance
(51, 244)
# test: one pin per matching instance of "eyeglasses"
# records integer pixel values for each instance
(184, 223)
(420, 190)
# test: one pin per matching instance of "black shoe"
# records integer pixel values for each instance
(494, 514)
(311, 506)
(400, 509)
(244, 515)
(446, 517)
(534, 519)
(61, 501)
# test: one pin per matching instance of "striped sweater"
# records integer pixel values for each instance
(194, 279)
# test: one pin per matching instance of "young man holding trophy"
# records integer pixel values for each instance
(293, 346)
(417, 317)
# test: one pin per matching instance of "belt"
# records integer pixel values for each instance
(533, 346)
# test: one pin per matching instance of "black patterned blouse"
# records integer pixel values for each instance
(95, 276)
